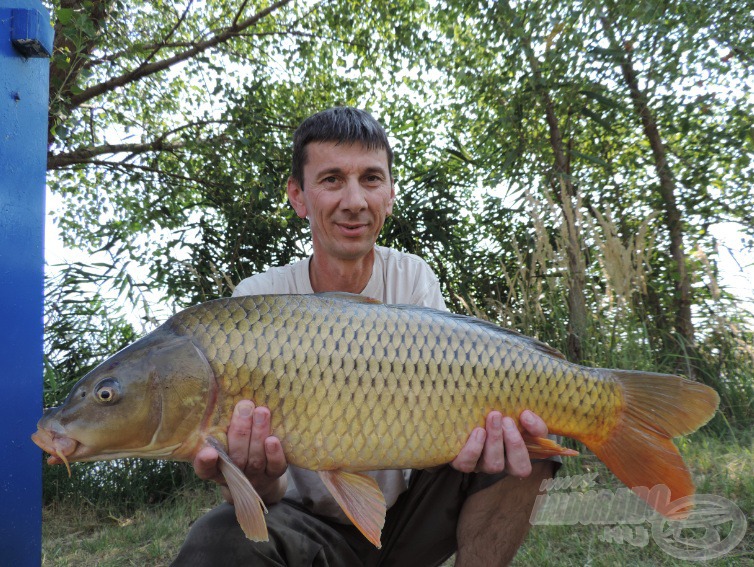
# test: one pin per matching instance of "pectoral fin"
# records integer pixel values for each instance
(542, 448)
(360, 498)
(250, 508)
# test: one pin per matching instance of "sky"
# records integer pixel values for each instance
(736, 266)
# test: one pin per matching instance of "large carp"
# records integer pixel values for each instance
(355, 385)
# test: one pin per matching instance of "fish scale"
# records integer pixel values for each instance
(355, 385)
(401, 392)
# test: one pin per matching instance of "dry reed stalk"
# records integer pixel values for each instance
(522, 308)
(625, 265)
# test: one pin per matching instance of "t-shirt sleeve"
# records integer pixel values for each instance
(426, 288)
(430, 294)
(258, 284)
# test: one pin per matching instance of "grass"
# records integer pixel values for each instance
(721, 466)
(82, 534)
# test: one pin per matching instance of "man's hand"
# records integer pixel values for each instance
(251, 447)
(499, 446)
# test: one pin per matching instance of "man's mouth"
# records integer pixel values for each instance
(352, 229)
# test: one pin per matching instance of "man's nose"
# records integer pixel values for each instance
(353, 198)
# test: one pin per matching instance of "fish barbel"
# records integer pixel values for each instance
(354, 385)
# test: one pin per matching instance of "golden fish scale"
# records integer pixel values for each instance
(416, 380)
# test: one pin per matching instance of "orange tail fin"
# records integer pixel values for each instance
(657, 407)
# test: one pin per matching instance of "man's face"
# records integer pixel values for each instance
(347, 194)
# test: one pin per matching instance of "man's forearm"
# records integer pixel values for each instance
(495, 521)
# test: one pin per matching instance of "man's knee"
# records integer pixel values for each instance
(295, 538)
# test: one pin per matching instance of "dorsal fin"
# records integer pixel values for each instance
(344, 296)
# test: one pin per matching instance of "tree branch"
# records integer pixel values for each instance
(147, 169)
(142, 71)
(85, 155)
(156, 49)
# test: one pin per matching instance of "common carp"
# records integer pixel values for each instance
(354, 385)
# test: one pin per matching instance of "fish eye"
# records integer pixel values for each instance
(107, 391)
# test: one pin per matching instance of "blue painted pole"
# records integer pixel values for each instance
(25, 45)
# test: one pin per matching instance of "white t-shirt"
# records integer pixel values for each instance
(397, 278)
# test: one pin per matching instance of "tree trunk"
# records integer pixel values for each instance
(564, 193)
(684, 325)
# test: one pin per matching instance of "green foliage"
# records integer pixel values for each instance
(173, 173)
(123, 485)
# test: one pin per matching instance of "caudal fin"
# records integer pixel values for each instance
(639, 451)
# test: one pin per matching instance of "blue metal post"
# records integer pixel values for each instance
(25, 45)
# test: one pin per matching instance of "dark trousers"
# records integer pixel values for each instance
(420, 531)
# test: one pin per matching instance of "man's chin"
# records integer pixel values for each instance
(351, 251)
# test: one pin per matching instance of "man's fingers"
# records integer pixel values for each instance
(500, 446)
(533, 424)
(239, 433)
(467, 459)
(250, 445)
(276, 462)
(205, 464)
(493, 454)
(517, 455)
(257, 459)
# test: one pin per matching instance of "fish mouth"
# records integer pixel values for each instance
(65, 450)
(61, 448)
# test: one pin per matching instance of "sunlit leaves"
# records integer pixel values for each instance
(195, 192)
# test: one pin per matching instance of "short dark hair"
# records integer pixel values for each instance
(342, 125)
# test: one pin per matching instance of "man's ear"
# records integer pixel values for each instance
(296, 197)
(389, 209)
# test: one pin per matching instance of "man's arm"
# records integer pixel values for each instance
(494, 521)
(251, 447)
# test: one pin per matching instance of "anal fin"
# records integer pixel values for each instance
(542, 448)
(360, 498)
(250, 508)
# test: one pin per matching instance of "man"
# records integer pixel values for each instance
(478, 506)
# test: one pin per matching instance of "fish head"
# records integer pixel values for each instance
(148, 400)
